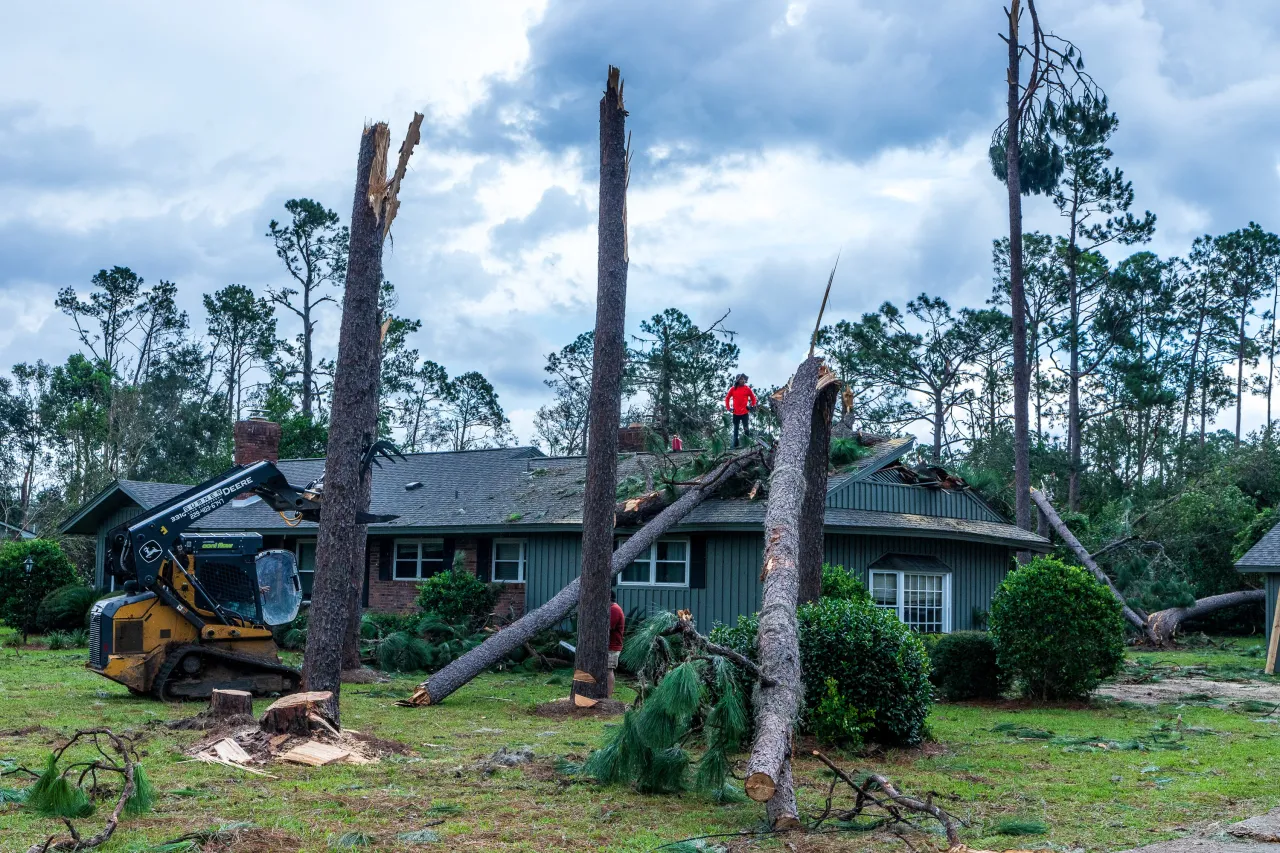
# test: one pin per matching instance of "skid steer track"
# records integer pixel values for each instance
(221, 669)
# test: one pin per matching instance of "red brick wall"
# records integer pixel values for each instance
(393, 596)
(256, 441)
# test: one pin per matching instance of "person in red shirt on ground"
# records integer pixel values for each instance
(740, 401)
(617, 627)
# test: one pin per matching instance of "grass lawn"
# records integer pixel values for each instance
(1090, 797)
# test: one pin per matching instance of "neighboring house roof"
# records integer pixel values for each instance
(23, 533)
(511, 489)
(1264, 556)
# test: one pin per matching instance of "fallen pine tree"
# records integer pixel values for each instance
(440, 685)
(778, 691)
(1159, 628)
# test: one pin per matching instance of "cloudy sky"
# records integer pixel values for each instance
(769, 136)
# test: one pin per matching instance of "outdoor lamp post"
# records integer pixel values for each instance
(27, 565)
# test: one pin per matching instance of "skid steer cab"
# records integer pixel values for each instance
(203, 622)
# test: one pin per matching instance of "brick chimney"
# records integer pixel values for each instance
(256, 439)
(631, 438)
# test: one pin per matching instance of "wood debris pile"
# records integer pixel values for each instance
(294, 730)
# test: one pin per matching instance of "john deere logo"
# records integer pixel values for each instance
(149, 551)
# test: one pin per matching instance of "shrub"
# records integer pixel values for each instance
(458, 597)
(1058, 632)
(836, 721)
(878, 664)
(20, 595)
(965, 666)
(66, 608)
(376, 626)
(838, 583)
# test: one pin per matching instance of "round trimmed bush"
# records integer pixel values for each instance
(838, 583)
(20, 594)
(878, 665)
(1058, 632)
(66, 608)
(965, 666)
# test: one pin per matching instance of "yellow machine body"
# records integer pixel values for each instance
(154, 647)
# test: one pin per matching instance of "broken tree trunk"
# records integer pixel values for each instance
(1157, 628)
(230, 703)
(591, 661)
(434, 690)
(817, 461)
(354, 409)
(299, 714)
(777, 704)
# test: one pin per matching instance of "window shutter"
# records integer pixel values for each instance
(484, 558)
(385, 549)
(364, 589)
(450, 546)
(698, 561)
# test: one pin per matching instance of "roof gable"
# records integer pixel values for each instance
(1263, 556)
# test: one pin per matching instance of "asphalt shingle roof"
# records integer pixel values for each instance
(514, 488)
(1264, 556)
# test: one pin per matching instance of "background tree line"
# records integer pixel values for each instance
(147, 395)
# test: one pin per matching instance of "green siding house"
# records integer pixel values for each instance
(1264, 558)
(926, 546)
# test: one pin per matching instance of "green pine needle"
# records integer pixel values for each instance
(54, 796)
(1020, 826)
(144, 794)
(665, 773)
(639, 646)
(421, 836)
(444, 809)
(350, 839)
(12, 795)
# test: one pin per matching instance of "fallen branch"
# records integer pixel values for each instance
(1158, 629)
(126, 769)
(684, 626)
(865, 793)
(440, 685)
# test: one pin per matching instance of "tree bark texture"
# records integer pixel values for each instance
(813, 513)
(777, 704)
(230, 703)
(354, 413)
(440, 685)
(1157, 628)
(591, 665)
(1017, 291)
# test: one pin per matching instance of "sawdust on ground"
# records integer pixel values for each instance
(1174, 690)
(565, 708)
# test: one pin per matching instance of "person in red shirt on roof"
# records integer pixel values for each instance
(617, 627)
(740, 401)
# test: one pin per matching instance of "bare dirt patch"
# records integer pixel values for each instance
(561, 708)
(1174, 690)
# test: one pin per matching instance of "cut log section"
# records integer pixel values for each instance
(230, 703)
(316, 754)
(298, 714)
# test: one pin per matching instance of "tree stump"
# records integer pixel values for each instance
(298, 714)
(230, 703)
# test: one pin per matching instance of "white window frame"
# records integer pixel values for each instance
(899, 607)
(493, 559)
(395, 557)
(653, 566)
(297, 556)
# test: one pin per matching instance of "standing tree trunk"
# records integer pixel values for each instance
(1017, 292)
(778, 699)
(1244, 319)
(355, 407)
(591, 665)
(812, 514)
